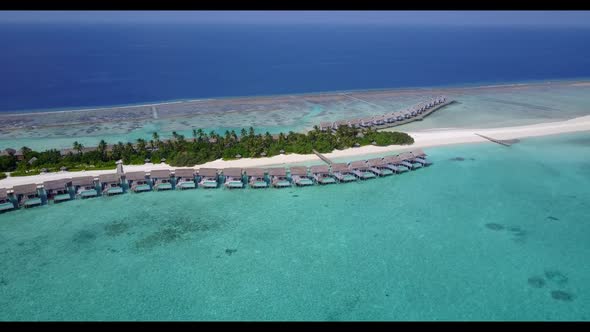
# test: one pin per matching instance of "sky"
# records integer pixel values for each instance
(528, 18)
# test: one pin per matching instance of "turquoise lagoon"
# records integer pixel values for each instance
(486, 233)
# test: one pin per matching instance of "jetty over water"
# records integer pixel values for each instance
(414, 113)
(86, 187)
(498, 141)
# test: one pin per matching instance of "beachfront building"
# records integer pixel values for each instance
(342, 173)
(379, 167)
(84, 187)
(5, 203)
(27, 195)
(361, 170)
(420, 157)
(256, 178)
(161, 179)
(233, 178)
(138, 181)
(185, 178)
(300, 177)
(394, 163)
(58, 190)
(409, 160)
(321, 174)
(110, 184)
(208, 178)
(278, 177)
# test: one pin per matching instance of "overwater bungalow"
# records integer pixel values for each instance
(84, 187)
(379, 120)
(324, 126)
(110, 184)
(341, 123)
(361, 170)
(321, 174)
(420, 157)
(342, 173)
(366, 122)
(399, 116)
(409, 160)
(300, 177)
(58, 190)
(278, 177)
(185, 178)
(209, 177)
(161, 179)
(138, 181)
(390, 118)
(5, 203)
(233, 178)
(256, 177)
(355, 123)
(379, 167)
(394, 163)
(27, 195)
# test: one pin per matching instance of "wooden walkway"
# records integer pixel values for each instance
(419, 117)
(498, 141)
(322, 157)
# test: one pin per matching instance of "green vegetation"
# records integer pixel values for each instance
(2, 175)
(201, 148)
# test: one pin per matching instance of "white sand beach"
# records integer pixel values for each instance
(423, 139)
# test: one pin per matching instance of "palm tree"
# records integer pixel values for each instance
(78, 147)
(200, 134)
(156, 137)
(102, 148)
(194, 135)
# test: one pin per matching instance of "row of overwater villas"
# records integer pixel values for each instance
(61, 190)
(382, 120)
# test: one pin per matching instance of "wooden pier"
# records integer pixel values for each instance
(498, 141)
(322, 157)
(418, 117)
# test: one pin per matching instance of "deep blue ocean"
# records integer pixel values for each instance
(62, 66)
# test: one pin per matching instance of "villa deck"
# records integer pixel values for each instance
(342, 173)
(58, 190)
(185, 178)
(84, 187)
(321, 174)
(300, 177)
(256, 178)
(278, 176)
(138, 181)
(161, 179)
(27, 195)
(233, 178)
(209, 178)
(110, 184)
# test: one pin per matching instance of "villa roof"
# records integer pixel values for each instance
(319, 169)
(208, 171)
(392, 159)
(135, 176)
(160, 173)
(25, 189)
(109, 178)
(184, 172)
(419, 153)
(255, 171)
(325, 124)
(277, 171)
(358, 164)
(83, 181)
(375, 162)
(56, 184)
(339, 167)
(234, 172)
(355, 121)
(406, 156)
(298, 170)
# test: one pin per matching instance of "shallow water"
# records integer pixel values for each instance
(476, 107)
(486, 233)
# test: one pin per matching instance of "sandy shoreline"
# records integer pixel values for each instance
(423, 139)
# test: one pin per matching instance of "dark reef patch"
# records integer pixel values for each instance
(83, 237)
(3, 282)
(562, 296)
(158, 238)
(552, 218)
(116, 228)
(178, 228)
(494, 226)
(556, 276)
(536, 281)
(457, 159)
(295, 195)
(229, 252)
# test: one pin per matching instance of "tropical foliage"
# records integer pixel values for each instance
(201, 148)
